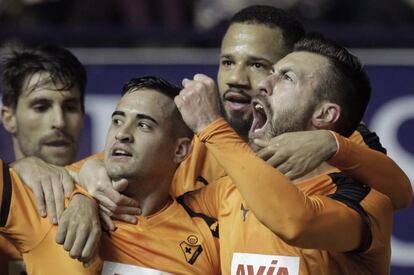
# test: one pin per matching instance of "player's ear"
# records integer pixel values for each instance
(8, 118)
(183, 149)
(326, 115)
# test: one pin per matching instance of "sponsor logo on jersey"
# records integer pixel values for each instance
(214, 228)
(112, 268)
(258, 264)
(244, 211)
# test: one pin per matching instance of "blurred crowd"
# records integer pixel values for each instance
(193, 22)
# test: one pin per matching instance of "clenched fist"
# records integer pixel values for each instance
(199, 102)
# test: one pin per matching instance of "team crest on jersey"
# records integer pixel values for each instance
(253, 264)
(191, 249)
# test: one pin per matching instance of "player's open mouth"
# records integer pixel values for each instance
(57, 143)
(259, 117)
(237, 100)
(58, 146)
(121, 153)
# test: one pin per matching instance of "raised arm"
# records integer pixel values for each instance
(300, 220)
(297, 153)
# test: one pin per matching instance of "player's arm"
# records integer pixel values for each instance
(5, 193)
(49, 183)
(277, 203)
(297, 153)
(300, 220)
(374, 168)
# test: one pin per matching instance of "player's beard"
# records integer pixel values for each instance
(290, 121)
(240, 122)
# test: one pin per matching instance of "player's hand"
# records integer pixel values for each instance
(198, 102)
(112, 204)
(79, 230)
(297, 153)
(49, 183)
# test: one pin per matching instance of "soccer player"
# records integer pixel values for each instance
(147, 132)
(43, 107)
(325, 223)
(258, 36)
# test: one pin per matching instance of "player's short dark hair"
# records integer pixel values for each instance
(346, 82)
(272, 17)
(153, 83)
(20, 62)
(165, 87)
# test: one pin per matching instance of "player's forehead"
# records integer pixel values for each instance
(147, 101)
(302, 62)
(255, 40)
(39, 83)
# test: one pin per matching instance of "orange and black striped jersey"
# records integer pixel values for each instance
(326, 214)
(32, 235)
(173, 241)
(353, 157)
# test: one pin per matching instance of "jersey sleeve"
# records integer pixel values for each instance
(198, 170)
(77, 165)
(365, 137)
(374, 168)
(20, 221)
(208, 200)
(300, 220)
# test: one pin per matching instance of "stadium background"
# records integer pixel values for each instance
(178, 38)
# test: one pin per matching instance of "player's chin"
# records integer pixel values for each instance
(59, 159)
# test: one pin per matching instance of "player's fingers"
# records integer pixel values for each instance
(70, 237)
(203, 78)
(59, 198)
(91, 260)
(125, 201)
(292, 175)
(106, 221)
(127, 210)
(185, 81)
(67, 183)
(265, 153)
(105, 201)
(62, 230)
(261, 142)
(276, 160)
(284, 167)
(79, 242)
(91, 245)
(126, 218)
(120, 185)
(50, 201)
(39, 196)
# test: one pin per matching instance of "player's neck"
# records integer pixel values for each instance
(18, 154)
(152, 195)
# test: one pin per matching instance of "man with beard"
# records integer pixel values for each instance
(43, 108)
(258, 36)
(147, 132)
(323, 223)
